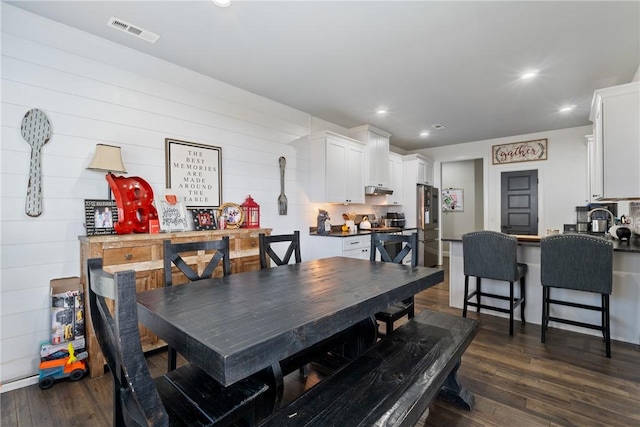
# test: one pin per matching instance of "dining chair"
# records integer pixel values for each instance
(268, 254)
(409, 246)
(185, 396)
(493, 255)
(582, 263)
(173, 255)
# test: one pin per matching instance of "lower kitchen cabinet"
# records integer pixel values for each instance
(143, 253)
(356, 246)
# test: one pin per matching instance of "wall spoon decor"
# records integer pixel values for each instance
(36, 130)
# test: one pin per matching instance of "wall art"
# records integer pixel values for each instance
(453, 200)
(525, 151)
(100, 216)
(194, 172)
(36, 131)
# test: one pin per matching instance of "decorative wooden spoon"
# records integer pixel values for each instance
(282, 199)
(36, 130)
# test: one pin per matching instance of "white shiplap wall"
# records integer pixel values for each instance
(94, 91)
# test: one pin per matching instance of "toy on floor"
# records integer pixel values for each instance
(71, 366)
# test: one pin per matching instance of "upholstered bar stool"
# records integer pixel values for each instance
(579, 262)
(493, 255)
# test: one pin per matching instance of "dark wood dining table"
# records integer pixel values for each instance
(240, 324)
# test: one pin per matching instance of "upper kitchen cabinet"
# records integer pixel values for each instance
(418, 169)
(376, 154)
(396, 175)
(336, 168)
(615, 154)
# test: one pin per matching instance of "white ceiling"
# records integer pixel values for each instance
(454, 63)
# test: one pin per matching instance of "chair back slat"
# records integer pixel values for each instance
(136, 399)
(409, 245)
(576, 261)
(267, 252)
(172, 256)
(491, 255)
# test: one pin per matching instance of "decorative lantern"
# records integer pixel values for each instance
(251, 213)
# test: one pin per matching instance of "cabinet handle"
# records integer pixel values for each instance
(128, 257)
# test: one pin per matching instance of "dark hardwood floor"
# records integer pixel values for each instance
(517, 381)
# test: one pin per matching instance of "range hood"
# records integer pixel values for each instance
(372, 190)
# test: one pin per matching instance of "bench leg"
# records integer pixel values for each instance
(452, 391)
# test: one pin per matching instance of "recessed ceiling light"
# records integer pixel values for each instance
(381, 111)
(424, 134)
(567, 108)
(222, 3)
(529, 75)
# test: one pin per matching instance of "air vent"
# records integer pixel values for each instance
(437, 126)
(134, 31)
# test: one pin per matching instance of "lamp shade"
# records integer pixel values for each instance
(107, 158)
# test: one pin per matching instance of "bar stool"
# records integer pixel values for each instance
(579, 262)
(493, 255)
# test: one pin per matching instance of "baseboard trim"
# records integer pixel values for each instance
(14, 385)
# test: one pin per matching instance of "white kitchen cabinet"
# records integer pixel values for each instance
(595, 180)
(376, 154)
(615, 113)
(418, 169)
(336, 168)
(356, 246)
(396, 181)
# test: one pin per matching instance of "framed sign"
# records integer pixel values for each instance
(526, 151)
(100, 216)
(453, 200)
(203, 219)
(194, 172)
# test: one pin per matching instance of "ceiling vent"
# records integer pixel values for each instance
(134, 31)
(437, 126)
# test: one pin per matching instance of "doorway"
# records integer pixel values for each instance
(467, 175)
(519, 202)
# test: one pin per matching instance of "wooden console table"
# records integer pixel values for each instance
(143, 253)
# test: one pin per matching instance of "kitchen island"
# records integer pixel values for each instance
(624, 300)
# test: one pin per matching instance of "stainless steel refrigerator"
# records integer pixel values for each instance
(428, 222)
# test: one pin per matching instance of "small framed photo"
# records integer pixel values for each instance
(203, 219)
(100, 216)
(233, 215)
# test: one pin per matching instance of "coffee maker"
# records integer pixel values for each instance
(600, 220)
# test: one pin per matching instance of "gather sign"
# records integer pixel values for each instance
(520, 152)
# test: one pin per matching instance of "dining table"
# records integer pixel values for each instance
(238, 325)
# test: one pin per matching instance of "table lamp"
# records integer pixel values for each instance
(107, 158)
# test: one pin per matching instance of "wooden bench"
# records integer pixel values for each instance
(392, 383)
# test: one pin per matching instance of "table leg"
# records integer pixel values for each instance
(454, 392)
(274, 378)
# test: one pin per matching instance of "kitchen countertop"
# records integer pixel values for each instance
(632, 245)
(337, 233)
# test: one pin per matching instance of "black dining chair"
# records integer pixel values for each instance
(409, 246)
(267, 252)
(185, 396)
(175, 254)
(578, 262)
(493, 255)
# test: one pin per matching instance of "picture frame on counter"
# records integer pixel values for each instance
(233, 215)
(194, 173)
(100, 216)
(203, 219)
